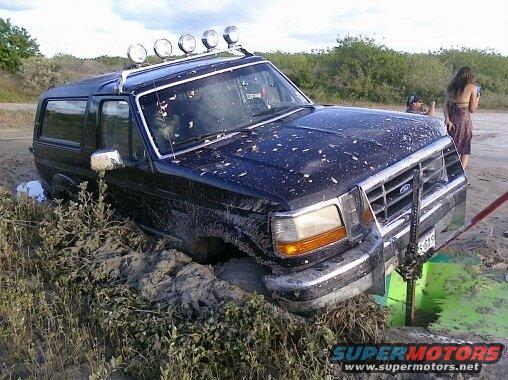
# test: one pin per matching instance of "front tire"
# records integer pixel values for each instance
(246, 273)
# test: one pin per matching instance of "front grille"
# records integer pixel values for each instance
(393, 196)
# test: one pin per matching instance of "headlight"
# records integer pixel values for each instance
(137, 53)
(162, 48)
(187, 43)
(231, 35)
(309, 231)
(210, 39)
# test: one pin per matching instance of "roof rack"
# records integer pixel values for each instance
(127, 73)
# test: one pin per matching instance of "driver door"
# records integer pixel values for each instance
(130, 188)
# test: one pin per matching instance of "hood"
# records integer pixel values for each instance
(312, 155)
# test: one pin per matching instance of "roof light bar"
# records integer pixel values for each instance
(137, 53)
(210, 39)
(163, 48)
(187, 43)
(231, 35)
(126, 73)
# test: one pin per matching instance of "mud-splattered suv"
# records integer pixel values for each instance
(220, 150)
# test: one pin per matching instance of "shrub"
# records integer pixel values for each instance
(359, 69)
(428, 76)
(38, 74)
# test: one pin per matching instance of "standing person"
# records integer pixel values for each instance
(415, 105)
(462, 98)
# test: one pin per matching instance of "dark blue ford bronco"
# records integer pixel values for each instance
(221, 152)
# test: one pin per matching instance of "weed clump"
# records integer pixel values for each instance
(85, 294)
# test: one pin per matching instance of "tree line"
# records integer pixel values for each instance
(357, 68)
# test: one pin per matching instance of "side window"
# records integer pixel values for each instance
(115, 126)
(117, 131)
(63, 121)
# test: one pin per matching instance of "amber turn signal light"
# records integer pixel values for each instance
(367, 215)
(310, 244)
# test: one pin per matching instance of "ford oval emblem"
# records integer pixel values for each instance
(405, 188)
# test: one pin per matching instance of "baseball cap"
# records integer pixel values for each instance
(413, 98)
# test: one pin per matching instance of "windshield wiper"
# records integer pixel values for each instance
(218, 134)
(282, 108)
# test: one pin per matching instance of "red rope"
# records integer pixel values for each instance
(477, 218)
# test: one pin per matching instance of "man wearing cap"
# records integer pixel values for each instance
(415, 105)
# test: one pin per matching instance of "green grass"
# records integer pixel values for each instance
(11, 90)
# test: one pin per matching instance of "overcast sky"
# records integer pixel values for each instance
(89, 28)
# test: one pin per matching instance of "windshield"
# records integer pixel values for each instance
(206, 108)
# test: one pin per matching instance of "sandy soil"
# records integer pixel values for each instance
(167, 278)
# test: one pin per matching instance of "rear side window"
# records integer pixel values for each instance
(63, 121)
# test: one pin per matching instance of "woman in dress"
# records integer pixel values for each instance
(462, 97)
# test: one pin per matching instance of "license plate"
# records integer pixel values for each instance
(426, 242)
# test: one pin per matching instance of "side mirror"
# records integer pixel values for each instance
(106, 159)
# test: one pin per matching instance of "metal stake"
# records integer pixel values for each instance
(412, 248)
(410, 305)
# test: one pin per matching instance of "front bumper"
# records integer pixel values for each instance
(361, 269)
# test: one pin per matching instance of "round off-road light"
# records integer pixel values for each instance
(231, 35)
(162, 48)
(137, 53)
(187, 43)
(210, 39)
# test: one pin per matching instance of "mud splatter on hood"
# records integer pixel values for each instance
(318, 154)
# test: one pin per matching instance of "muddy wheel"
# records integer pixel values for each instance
(246, 273)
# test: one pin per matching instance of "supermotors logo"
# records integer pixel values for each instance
(394, 358)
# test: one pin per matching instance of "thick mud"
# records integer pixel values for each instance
(169, 278)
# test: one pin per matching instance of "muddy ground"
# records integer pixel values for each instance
(488, 176)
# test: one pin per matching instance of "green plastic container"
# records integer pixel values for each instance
(452, 295)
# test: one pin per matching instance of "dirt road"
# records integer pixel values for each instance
(488, 175)
(18, 106)
(16, 162)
